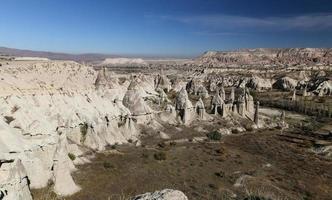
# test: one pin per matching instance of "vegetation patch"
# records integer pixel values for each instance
(160, 155)
(214, 135)
(9, 119)
(71, 156)
(84, 130)
(107, 165)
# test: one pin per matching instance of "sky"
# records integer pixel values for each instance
(163, 27)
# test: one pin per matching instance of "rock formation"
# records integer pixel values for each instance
(256, 116)
(266, 57)
(259, 84)
(294, 95)
(162, 82)
(285, 83)
(14, 182)
(183, 106)
(200, 108)
(166, 194)
(216, 103)
(42, 102)
(196, 87)
(232, 95)
(134, 101)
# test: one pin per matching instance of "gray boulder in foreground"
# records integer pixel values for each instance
(166, 194)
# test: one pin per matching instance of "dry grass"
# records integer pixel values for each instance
(45, 194)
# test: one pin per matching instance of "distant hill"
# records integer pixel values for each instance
(89, 57)
(267, 56)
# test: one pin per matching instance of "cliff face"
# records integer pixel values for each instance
(266, 56)
(48, 110)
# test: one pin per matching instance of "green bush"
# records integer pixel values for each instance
(160, 156)
(214, 135)
(9, 119)
(235, 131)
(107, 165)
(84, 130)
(71, 156)
(145, 155)
(254, 197)
(162, 145)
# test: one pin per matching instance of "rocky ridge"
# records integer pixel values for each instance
(263, 56)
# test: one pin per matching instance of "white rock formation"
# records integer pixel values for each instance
(134, 101)
(162, 82)
(184, 106)
(14, 182)
(123, 61)
(42, 101)
(258, 83)
(200, 109)
(63, 183)
(166, 194)
(324, 88)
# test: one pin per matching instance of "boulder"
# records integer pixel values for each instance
(166, 194)
(285, 83)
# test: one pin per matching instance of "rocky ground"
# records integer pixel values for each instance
(270, 164)
(71, 131)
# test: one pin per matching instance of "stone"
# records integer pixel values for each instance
(166, 194)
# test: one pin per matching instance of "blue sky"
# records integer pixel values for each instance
(163, 27)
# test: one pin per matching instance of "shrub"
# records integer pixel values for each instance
(145, 155)
(220, 174)
(9, 119)
(71, 156)
(84, 130)
(172, 143)
(161, 145)
(235, 131)
(160, 156)
(107, 165)
(249, 128)
(214, 135)
(321, 100)
(130, 141)
(14, 109)
(254, 197)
